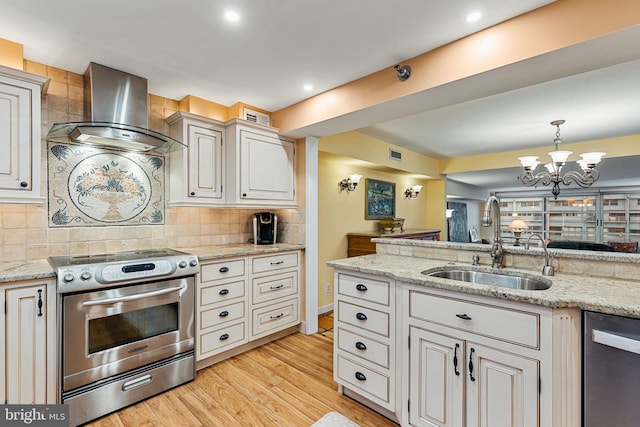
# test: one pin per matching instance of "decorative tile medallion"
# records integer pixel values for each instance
(91, 186)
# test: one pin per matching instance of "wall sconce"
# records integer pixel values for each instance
(518, 226)
(449, 213)
(350, 183)
(412, 192)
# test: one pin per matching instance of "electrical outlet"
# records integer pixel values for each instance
(327, 288)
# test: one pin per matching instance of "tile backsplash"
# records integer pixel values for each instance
(24, 230)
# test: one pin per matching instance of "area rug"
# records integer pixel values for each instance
(334, 419)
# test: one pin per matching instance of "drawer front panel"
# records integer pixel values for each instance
(222, 270)
(274, 262)
(377, 291)
(274, 286)
(217, 316)
(274, 317)
(362, 347)
(222, 339)
(219, 293)
(491, 321)
(365, 318)
(363, 380)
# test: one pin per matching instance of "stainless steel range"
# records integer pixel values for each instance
(126, 325)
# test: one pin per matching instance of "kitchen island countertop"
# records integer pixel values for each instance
(604, 295)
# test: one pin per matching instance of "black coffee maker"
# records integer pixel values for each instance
(265, 228)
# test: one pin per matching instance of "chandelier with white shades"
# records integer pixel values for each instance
(553, 174)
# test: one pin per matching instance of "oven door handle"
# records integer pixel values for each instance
(107, 301)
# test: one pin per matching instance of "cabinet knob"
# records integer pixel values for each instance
(223, 291)
(224, 337)
(244, 194)
(360, 376)
(223, 269)
(24, 184)
(193, 193)
(361, 345)
(223, 313)
(463, 316)
(361, 316)
(361, 287)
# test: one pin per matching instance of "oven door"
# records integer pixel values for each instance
(112, 331)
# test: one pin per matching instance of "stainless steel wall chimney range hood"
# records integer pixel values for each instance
(115, 108)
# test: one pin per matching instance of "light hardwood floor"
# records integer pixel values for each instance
(288, 382)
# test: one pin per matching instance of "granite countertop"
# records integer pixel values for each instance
(603, 295)
(40, 269)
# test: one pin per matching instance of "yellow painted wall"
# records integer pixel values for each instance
(11, 54)
(343, 212)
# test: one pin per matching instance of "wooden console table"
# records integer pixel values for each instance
(360, 243)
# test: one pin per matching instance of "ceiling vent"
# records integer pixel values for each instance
(395, 155)
(255, 117)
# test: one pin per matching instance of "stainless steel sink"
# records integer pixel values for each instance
(511, 281)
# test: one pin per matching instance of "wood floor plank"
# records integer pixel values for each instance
(285, 383)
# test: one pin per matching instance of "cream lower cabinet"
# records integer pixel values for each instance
(365, 340)
(477, 361)
(30, 358)
(242, 300)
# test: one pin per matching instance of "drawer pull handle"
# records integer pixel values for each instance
(361, 316)
(471, 377)
(277, 286)
(224, 337)
(277, 316)
(463, 316)
(223, 291)
(455, 359)
(361, 287)
(223, 313)
(360, 376)
(277, 263)
(361, 346)
(224, 269)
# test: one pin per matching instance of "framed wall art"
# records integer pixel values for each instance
(380, 199)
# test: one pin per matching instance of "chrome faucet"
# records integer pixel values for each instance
(547, 270)
(491, 216)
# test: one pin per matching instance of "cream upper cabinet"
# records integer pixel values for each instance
(30, 343)
(196, 173)
(20, 144)
(261, 166)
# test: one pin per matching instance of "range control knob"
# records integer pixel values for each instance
(85, 275)
(182, 264)
(193, 262)
(68, 278)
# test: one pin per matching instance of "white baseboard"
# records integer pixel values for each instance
(325, 309)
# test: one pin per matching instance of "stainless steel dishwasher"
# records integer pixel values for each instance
(611, 371)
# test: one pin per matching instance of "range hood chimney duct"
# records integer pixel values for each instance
(116, 113)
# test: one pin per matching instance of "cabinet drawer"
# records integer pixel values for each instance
(363, 379)
(365, 318)
(274, 262)
(222, 270)
(366, 289)
(274, 317)
(274, 286)
(222, 339)
(362, 347)
(222, 314)
(505, 324)
(226, 292)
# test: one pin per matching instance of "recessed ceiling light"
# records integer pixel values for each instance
(231, 16)
(307, 87)
(474, 17)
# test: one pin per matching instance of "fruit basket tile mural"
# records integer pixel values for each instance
(97, 187)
